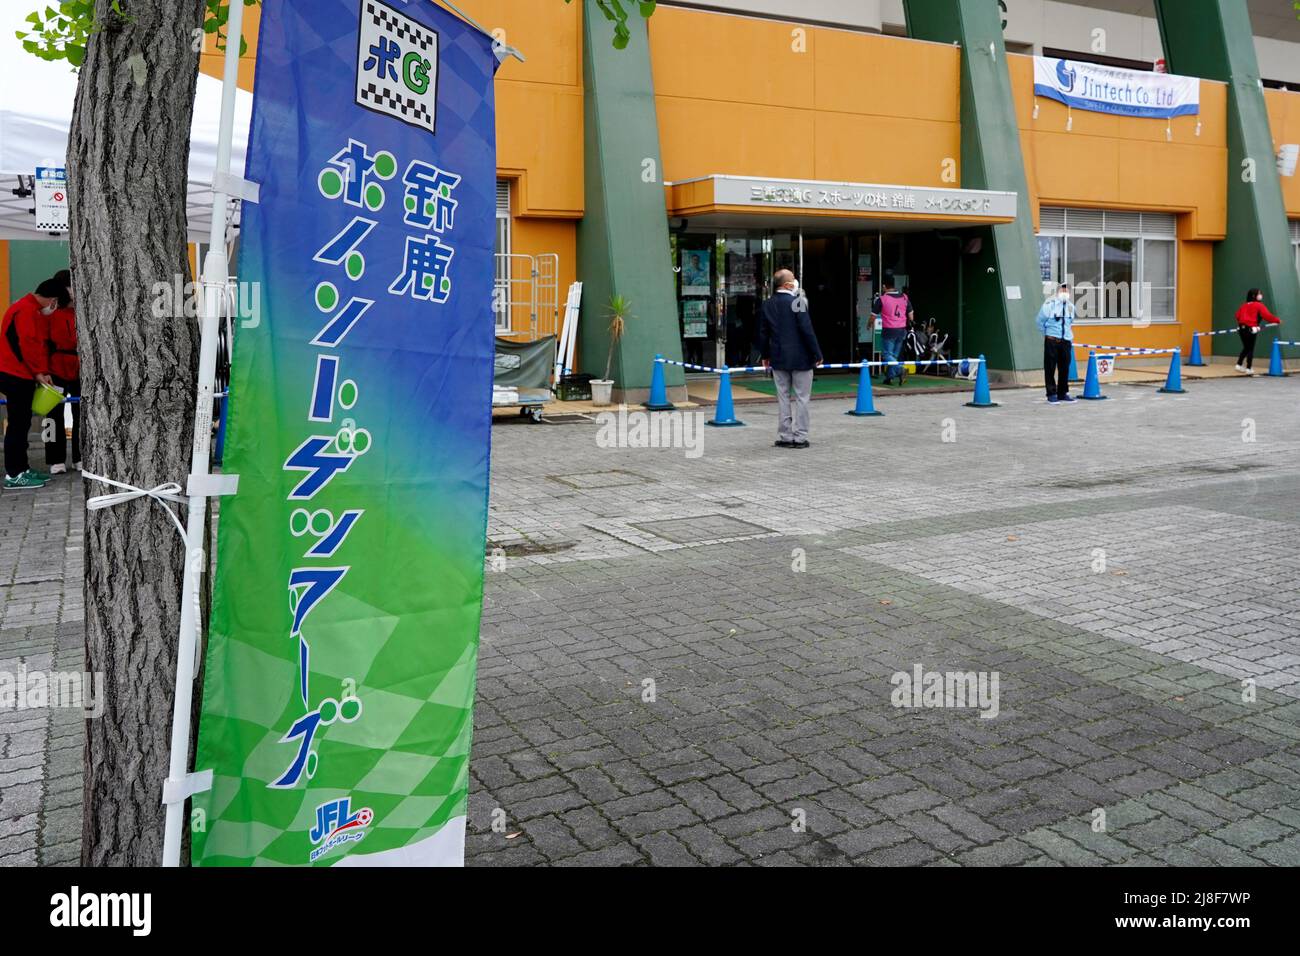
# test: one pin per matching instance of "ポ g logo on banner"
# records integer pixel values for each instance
(397, 66)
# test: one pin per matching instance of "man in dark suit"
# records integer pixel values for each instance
(789, 348)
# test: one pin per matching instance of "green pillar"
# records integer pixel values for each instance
(1213, 39)
(623, 245)
(996, 324)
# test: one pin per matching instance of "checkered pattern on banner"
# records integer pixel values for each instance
(387, 762)
(383, 28)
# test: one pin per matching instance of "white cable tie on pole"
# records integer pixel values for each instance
(237, 187)
(178, 791)
(170, 491)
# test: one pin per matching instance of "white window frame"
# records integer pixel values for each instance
(1295, 242)
(1139, 237)
(504, 236)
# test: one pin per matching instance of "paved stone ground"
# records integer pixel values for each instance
(1122, 567)
(41, 628)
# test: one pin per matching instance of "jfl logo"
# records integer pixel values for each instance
(335, 816)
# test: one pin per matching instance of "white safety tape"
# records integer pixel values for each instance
(839, 365)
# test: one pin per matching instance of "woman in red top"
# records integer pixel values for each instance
(1248, 319)
(65, 367)
(24, 363)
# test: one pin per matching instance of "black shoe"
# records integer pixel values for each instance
(799, 444)
(783, 444)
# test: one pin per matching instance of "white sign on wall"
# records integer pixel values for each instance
(51, 199)
(895, 201)
(1287, 156)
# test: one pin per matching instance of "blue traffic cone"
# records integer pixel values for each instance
(1196, 360)
(1074, 366)
(866, 407)
(982, 397)
(1174, 383)
(724, 416)
(1092, 385)
(1275, 369)
(658, 401)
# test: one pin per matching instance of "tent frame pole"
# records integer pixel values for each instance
(216, 272)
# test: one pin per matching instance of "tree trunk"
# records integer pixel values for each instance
(127, 171)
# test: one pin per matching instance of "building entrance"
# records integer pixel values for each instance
(723, 277)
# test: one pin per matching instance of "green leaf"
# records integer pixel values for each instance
(76, 54)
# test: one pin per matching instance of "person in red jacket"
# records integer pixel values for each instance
(1252, 312)
(24, 362)
(65, 367)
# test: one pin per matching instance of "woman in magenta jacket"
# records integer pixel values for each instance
(1252, 312)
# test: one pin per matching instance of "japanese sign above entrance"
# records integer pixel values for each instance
(891, 201)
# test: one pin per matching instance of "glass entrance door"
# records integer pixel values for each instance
(828, 281)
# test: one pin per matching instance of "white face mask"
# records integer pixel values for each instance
(1064, 297)
(794, 285)
(48, 310)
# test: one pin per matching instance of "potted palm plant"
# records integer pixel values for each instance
(619, 312)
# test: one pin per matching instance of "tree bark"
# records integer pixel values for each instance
(127, 173)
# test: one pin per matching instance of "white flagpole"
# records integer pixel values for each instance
(216, 273)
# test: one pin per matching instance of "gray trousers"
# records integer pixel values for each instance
(793, 414)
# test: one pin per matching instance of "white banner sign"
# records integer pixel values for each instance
(51, 199)
(896, 201)
(1108, 89)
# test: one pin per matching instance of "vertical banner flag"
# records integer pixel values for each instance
(339, 677)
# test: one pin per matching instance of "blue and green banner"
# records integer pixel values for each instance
(340, 663)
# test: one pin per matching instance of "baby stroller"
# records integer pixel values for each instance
(915, 349)
(937, 351)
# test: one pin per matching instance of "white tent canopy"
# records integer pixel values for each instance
(36, 100)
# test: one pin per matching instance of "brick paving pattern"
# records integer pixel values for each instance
(688, 660)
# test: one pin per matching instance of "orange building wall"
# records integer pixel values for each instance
(540, 130)
(736, 96)
(1113, 162)
(1284, 117)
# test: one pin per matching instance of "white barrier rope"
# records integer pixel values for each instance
(1270, 327)
(170, 491)
(919, 363)
(1122, 351)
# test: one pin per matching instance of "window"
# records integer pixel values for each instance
(1295, 243)
(501, 288)
(1121, 266)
